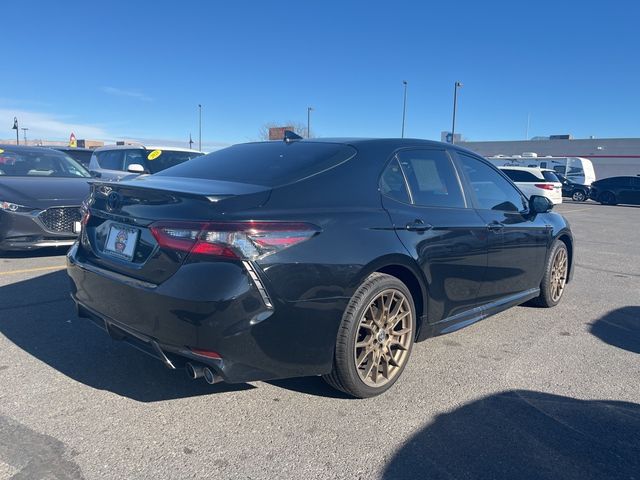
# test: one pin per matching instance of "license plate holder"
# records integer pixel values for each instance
(122, 241)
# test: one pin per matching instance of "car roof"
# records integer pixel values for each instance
(525, 169)
(146, 147)
(64, 148)
(26, 149)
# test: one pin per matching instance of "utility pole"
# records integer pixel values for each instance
(190, 142)
(404, 106)
(455, 106)
(309, 109)
(528, 122)
(24, 132)
(199, 127)
(16, 128)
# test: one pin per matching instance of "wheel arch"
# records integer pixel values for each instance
(404, 269)
(567, 239)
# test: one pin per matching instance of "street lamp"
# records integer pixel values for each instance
(404, 106)
(199, 127)
(16, 128)
(24, 132)
(309, 109)
(455, 106)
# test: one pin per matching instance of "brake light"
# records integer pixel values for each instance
(544, 186)
(238, 240)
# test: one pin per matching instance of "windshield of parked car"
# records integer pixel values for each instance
(269, 164)
(40, 163)
(158, 160)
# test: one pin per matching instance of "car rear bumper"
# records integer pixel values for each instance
(22, 231)
(215, 307)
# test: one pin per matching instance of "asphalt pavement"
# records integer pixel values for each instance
(529, 393)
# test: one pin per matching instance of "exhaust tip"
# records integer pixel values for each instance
(210, 376)
(194, 371)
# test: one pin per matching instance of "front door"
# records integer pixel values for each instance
(517, 242)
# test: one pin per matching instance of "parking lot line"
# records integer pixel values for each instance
(577, 210)
(29, 270)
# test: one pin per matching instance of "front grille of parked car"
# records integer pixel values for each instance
(60, 219)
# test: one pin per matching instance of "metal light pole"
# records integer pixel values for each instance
(24, 132)
(199, 127)
(309, 109)
(404, 106)
(16, 128)
(455, 106)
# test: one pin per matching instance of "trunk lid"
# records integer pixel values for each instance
(117, 237)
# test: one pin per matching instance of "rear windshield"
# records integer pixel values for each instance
(82, 156)
(269, 164)
(550, 176)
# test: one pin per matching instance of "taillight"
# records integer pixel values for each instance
(239, 240)
(544, 186)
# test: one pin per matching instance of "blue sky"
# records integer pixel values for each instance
(124, 69)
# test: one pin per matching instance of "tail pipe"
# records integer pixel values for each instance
(210, 376)
(194, 370)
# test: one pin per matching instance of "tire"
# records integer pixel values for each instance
(549, 294)
(579, 196)
(368, 359)
(608, 198)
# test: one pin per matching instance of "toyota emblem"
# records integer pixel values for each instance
(114, 201)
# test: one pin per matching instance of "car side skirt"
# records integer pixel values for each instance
(461, 320)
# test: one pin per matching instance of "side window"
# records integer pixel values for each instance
(432, 178)
(134, 156)
(110, 159)
(492, 191)
(520, 176)
(392, 183)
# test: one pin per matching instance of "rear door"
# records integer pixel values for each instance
(448, 239)
(517, 242)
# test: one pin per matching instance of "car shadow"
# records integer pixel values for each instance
(620, 328)
(39, 253)
(525, 435)
(38, 316)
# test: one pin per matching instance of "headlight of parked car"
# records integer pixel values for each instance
(13, 207)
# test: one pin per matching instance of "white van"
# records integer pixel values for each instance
(577, 169)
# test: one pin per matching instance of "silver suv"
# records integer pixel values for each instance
(114, 162)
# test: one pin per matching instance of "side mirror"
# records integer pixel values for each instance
(539, 204)
(95, 174)
(135, 168)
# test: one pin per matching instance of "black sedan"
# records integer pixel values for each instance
(575, 191)
(614, 190)
(41, 191)
(324, 257)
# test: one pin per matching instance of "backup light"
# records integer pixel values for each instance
(238, 240)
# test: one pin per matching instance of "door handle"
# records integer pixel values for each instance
(418, 226)
(495, 227)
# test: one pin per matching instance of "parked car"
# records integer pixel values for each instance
(313, 257)
(80, 155)
(115, 162)
(614, 190)
(573, 190)
(536, 181)
(41, 191)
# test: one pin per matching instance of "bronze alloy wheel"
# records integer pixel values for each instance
(559, 274)
(384, 338)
